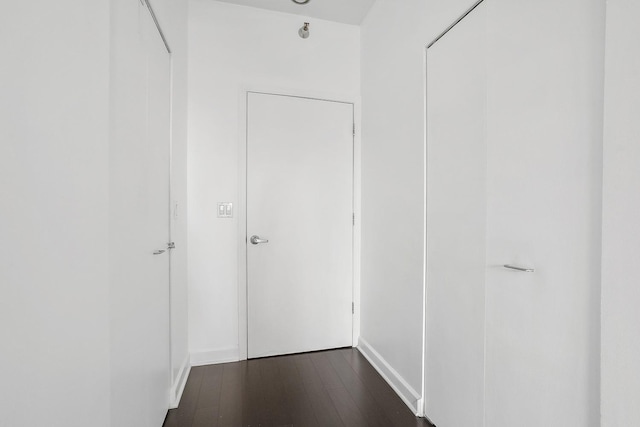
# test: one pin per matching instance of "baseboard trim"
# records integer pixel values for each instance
(178, 387)
(408, 395)
(214, 357)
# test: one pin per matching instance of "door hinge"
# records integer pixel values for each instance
(353, 219)
(353, 308)
(354, 129)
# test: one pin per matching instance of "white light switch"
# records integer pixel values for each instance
(225, 210)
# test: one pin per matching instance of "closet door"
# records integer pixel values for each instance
(156, 307)
(513, 218)
(456, 224)
(543, 200)
(139, 220)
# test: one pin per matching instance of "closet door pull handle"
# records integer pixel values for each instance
(522, 269)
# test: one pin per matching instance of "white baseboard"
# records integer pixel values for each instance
(177, 387)
(408, 395)
(214, 357)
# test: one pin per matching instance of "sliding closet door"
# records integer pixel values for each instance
(456, 224)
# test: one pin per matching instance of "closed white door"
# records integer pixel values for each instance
(512, 223)
(139, 226)
(299, 224)
(456, 224)
(543, 192)
(157, 307)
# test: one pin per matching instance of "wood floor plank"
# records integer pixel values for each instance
(324, 411)
(254, 408)
(295, 394)
(277, 406)
(349, 412)
(308, 373)
(233, 395)
(289, 371)
(360, 393)
(211, 387)
(300, 408)
(341, 394)
(206, 417)
(327, 374)
(323, 408)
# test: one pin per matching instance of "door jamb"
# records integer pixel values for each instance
(241, 208)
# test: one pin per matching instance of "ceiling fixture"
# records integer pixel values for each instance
(300, 1)
(304, 31)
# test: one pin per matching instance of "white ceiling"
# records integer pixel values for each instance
(345, 11)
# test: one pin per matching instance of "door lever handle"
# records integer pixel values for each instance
(522, 269)
(257, 240)
(159, 252)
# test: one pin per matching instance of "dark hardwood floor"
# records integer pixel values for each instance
(336, 388)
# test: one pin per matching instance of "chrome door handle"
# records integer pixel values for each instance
(522, 269)
(159, 252)
(257, 240)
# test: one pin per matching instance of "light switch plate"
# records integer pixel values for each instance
(225, 210)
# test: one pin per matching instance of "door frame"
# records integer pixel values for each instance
(241, 207)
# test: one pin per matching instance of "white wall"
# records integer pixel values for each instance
(620, 392)
(54, 330)
(232, 48)
(394, 37)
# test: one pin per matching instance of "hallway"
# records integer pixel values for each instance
(320, 213)
(324, 389)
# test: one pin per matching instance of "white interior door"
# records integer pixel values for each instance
(157, 307)
(543, 192)
(456, 224)
(300, 199)
(139, 221)
(512, 225)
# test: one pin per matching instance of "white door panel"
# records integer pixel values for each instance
(456, 229)
(300, 198)
(157, 307)
(543, 212)
(139, 223)
(511, 179)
